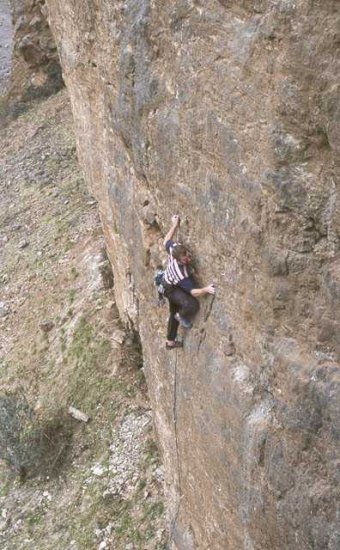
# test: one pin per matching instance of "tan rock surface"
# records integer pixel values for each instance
(226, 112)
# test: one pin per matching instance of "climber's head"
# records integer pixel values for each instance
(181, 254)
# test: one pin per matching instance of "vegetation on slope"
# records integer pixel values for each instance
(65, 483)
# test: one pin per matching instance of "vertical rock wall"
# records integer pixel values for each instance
(226, 112)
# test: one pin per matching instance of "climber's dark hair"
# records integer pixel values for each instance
(178, 251)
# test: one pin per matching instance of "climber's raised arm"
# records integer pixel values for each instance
(175, 223)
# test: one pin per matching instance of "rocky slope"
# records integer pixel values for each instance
(35, 68)
(5, 46)
(226, 112)
(83, 485)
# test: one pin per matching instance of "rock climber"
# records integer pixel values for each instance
(180, 287)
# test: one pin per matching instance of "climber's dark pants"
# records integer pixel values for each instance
(179, 302)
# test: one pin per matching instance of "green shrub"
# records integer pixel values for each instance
(28, 445)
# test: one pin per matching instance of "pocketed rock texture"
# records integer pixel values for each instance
(226, 112)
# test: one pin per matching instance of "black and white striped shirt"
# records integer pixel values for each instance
(176, 274)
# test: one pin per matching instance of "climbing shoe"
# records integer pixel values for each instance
(176, 344)
(183, 322)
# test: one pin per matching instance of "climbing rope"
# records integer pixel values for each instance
(207, 315)
(174, 413)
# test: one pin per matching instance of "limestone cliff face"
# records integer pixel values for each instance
(226, 112)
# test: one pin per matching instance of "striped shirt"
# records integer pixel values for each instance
(176, 274)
